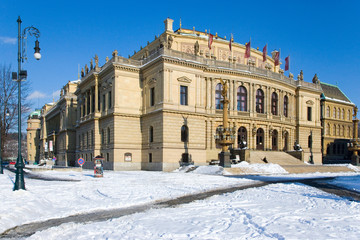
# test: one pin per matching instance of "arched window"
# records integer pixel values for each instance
(151, 134)
(334, 112)
(338, 113)
(108, 135)
(184, 133)
(328, 111)
(338, 130)
(102, 136)
(286, 106)
(218, 97)
(334, 130)
(274, 103)
(342, 114)
(328, 129)
(349, 115)
(349, 132)
(259, 101)
(274, 140)
(343, 131)
(242, 99)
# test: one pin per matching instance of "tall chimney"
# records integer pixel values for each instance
(169, 25)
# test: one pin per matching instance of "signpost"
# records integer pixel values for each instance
(81, 162)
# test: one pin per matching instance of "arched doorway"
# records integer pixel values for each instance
(242, 136)
(274, 140)
(286, 141)
(260, 139)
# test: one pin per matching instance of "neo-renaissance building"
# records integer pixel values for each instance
(161, 107)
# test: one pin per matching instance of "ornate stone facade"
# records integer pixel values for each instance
(132, 111)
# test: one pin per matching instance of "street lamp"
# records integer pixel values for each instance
(21, 76)
(1, 161)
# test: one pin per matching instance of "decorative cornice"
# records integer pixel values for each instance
(184, 79)
(151, 81)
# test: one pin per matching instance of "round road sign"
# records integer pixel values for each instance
(81, 161)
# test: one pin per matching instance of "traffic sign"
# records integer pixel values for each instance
(81, 161)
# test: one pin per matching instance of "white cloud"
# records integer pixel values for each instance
(36, 95)
(56, 94)
(8, 40)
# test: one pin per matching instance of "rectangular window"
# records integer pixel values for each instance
(109, 95)
(103, 103)
(98, 106)
(152, 96)
(150, 157)
(183, 95)
(309, 117)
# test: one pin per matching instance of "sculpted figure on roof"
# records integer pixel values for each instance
(196, 48)
(170, 41)
(315, 79)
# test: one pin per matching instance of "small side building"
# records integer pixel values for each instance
(33, 136)
(336, 120)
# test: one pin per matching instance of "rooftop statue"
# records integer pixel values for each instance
(170, 41)
(196, 48)
(315, 79)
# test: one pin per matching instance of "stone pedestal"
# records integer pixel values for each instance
(355, 160)
(224, 158)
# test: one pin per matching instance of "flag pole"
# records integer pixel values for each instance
(231, 40)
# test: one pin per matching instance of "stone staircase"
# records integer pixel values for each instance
(281, 158)
(287, 162)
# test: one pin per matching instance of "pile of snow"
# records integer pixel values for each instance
(209, 170)
(269, 168)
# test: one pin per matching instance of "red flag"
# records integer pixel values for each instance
(264, 53)
(277, 58)
(210, 40)
(287, 63)
(230, 44)
(247, 51)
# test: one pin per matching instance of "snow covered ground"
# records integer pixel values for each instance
(276, 211)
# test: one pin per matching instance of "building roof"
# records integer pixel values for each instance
(333, 92)
(35, 114)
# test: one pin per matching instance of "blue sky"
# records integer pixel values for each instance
(320, 36)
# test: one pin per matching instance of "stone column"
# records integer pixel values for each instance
(96, 93)
(212, 93)
(170, 86)
(231, 95)
(235, 96)
(208, 93)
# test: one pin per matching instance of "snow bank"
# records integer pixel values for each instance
(269, 168)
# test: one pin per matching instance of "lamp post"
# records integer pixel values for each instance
(21, 76)
(1, 161)
(225, 135)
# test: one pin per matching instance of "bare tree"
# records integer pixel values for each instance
(9, 105)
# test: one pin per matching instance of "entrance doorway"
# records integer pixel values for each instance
(242, 137)
(260, 139)
(286, 140)
(274, 141)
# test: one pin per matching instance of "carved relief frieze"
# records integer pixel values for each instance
(187, 48)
